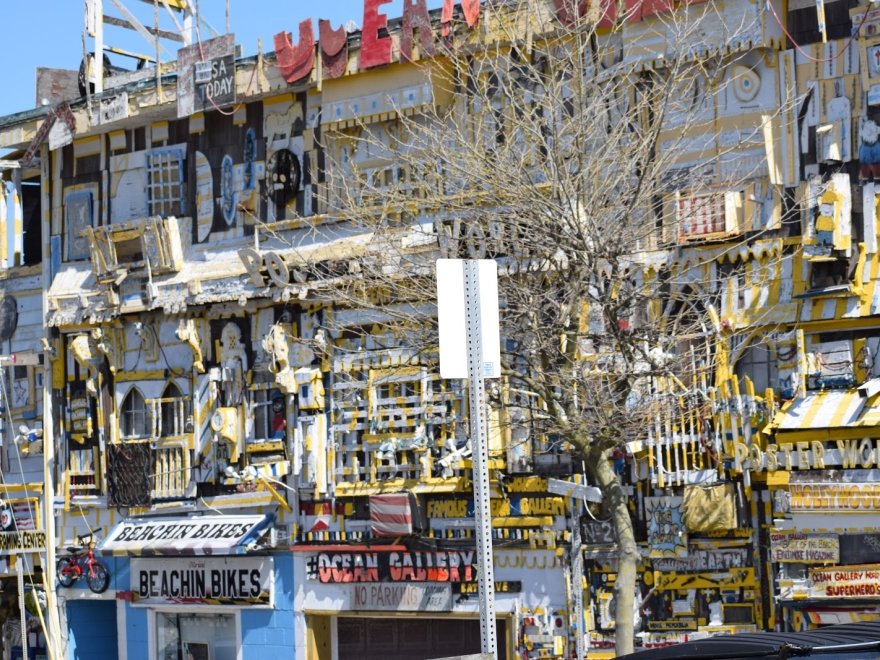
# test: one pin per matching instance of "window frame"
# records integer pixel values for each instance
(125, 416)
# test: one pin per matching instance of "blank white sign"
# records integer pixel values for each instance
(452, 318)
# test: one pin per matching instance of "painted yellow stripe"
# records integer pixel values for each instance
(841, 411)
(811, 413)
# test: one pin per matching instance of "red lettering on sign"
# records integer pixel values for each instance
(296, 62)
(416, 17)
(375, 50)
(636, 10)
(565, 10)
(334, 51)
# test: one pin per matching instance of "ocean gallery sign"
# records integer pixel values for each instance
(845, 582)
(453, 566)
(202, 581)
(802, 548)
(297, 61)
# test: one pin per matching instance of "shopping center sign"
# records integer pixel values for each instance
(17, 542)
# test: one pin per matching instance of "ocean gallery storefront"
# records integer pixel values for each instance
(346, 594)
(200, 587)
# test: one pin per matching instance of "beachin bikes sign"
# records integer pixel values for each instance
(208, 535)
(202, 581)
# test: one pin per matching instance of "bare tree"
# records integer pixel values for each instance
(581, 159)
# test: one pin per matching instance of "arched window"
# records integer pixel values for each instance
(172, 412)
(133, 415)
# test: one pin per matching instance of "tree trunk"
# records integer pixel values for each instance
(599, 463)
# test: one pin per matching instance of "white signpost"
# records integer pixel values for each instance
(470, 347)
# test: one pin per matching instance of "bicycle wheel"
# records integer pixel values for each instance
(66, 572)
(98, 578)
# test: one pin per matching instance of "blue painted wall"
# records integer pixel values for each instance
(137, 633)
(269, 633)
(92, 629)
(265, 633)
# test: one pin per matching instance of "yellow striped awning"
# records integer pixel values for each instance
(825, 410)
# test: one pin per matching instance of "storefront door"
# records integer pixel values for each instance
(410, 638)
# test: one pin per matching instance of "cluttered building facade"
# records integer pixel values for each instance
(265, 474)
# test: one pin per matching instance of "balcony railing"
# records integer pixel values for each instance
(168, 417)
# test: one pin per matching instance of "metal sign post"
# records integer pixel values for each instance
(577, 493)
(480, 441)
(19, 564)
(474, 344)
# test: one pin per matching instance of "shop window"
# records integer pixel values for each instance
(270, 417)
(165, 182)
(827, 275)
(758, 362)
(133, 416)
(22, 394)
(196, 636)
(803, 23)
(33, 230)
(79, 216)
(170, 412)
(830, 365)
(709, 216)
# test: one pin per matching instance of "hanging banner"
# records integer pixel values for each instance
(845, 582)
(804, 548)
(202, 581)
(667, 536)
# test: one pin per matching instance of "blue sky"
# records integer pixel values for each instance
(49, 33)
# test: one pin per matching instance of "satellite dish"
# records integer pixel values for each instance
(8, 317)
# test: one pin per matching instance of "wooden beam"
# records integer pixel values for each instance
(180, 5)
(162, 34)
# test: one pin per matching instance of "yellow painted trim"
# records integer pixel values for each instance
(397, 485)
(236, 501)
(778, 478)
(283, 98)
(87, 146)
(523, 521)
(275, 494)
(128, 376)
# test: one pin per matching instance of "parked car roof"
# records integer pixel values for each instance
(847, 641)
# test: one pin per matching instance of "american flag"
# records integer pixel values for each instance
(391, 515)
